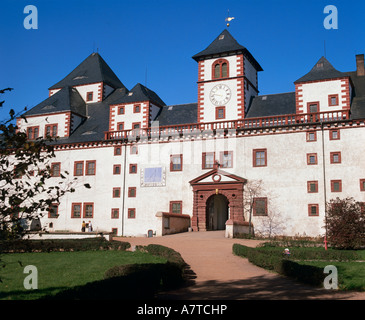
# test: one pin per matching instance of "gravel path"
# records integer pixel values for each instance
(215, 273)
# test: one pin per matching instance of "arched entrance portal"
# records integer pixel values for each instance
(218, 198)
(217, 212)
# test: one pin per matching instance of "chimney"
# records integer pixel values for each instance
(360, 68)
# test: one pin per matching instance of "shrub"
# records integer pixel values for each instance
(345, 223)
(272, 260)
(99, 243)
(165, 252)
(174, 269)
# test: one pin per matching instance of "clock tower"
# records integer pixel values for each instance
(227, 79)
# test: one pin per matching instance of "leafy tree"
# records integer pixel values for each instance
(27, 187)
(345, 223)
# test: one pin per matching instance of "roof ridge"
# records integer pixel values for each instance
(180, 104)
(272, 94)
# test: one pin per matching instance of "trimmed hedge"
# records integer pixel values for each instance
(174, 269)
(274, 261)
(98, 243)
(308, 253)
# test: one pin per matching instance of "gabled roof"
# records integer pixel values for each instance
(231, 178)
(92, 70)
(224, 44)
(272, 105)
(322, 70)
(137, 94)
(178, 114)
(66, 99)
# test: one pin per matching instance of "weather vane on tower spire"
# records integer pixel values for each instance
(228, 19)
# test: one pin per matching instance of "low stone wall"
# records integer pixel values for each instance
(170, 223)
(234, 227)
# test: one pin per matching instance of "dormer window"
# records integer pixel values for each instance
(220, 69)
(89, 96)
(51, 130)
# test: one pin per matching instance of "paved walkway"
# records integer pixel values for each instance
(218, 274)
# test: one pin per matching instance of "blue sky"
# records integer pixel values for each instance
(152, 42)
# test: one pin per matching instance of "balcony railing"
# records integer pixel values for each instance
(249, 123)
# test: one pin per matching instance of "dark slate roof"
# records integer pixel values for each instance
(272, 105)
(358, 96)
(93, 128)
(322, 70)
(225, 43)
(137, 94)
(178, 114)
(93, 69)
(66, 99)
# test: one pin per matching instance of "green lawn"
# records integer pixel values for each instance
(351, 275)
(60, 270)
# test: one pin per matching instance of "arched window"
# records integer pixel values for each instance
(220, 69)
(224, 70)
(217, 71)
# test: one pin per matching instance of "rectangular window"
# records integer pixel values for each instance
(259, 157)
(121, 110)
(137, 108)
(53, 211)
(117, 151)
(335, 134)
(220, 113)
(313, 210)
(311, 158)
(56, 169)
(132, 192)
(79, 168)
(136, 125)
(134, 150)
(176, 162)
(226, 159)
(333, 100)
(362, 184)
(115, 213)
(313, 107)
(312, 186)
(208, 159)
(336, 186)
(116, 192)
(117, 169)
(131, 213)
(76, 210)
(88, 210)
(133, 168)
(120, 126)
(311, 136)
(176, 206)
(89, 96)
(51, 130)
(260, 206)
(90, 167)
(32, 133)
(335, 157)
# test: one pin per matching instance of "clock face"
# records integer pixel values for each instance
(220, 94)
